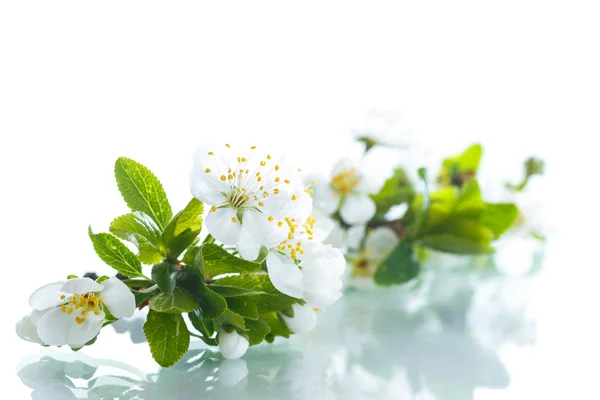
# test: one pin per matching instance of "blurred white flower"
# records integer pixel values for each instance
(250, 193)
(378, 244)
(303, 320)
(349, 188)
(72, 312)
(231, 344)
(384, 127)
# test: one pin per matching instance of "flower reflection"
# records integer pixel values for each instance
(369, 346)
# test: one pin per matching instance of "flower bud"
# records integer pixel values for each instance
(304, 319)
(232, 345)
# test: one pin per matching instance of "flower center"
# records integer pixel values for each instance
(345, 182)
(84, 304)
(292, 244)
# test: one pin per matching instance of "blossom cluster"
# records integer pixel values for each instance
(261, 270)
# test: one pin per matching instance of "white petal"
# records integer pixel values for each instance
(36, 315)
(221, 225)
(27, 330)
(356, 233)
(327, 260)
(325, 198)
(232, 345)
(338, 237)
(231, 372)
(379, 243)
(80, 334)
(248, 248)
(206, 187)
(343, 165)
(285, 275)
(357, 209)
(55, 326)
(81, 286)
(47, 296)
(265, 232)
(118, 298)
(321, 291)
(324, 225)
(375, 169)
(396, 212)
(304, 319)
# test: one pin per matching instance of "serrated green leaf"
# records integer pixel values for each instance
(142, 191)
(165, 276)
(232, 318)
(499, 217)
(257, 330)
(399, 267)
(168, 337)
(243, 306)
(204, 326)
(218, 261)
(454, 244)
(278, 327)
(116, 254)
(184, 228)
(190, 255)
(397, 190)
(211, 304)
(178, 302)
(143, 232)
(255, 288)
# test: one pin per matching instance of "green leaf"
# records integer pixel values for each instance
(243, 306)
(211, 304)
(470, 229)
(190, 255)
(165, 276)
(116, 254)
(459, 169)
(399, 267)
(143, 232)
(255, 288)
(278, 327)
(142, 191)
(178, 302)
(234, 319)
(257, 330)
(454, 244)
(184, 228)
(142, 295)
(204, 326)
(470, 204)
(397, 190)
(168, 337)
(499, 217)
(218, 261)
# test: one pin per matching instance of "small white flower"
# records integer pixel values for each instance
(347, 240)
(304, 319)
(250, 193)
(378, 244)
(350, 186)
(71, 312)
(231, 344)
(384, 127)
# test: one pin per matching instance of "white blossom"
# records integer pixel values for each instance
(249, 194)
(72, 312)
(378, 244)
(303, 320)
(231, 344)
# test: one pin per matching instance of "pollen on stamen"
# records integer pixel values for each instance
(280, 223)
(260, 203)
(252, 147)
(277, 168)
(210, 153)
(207, 170)
(259, 179)
(234, 219)
(277, 179)
(294, 197)
(276, 191)
(268, 156)
(263, 163)
(270, 218)
(223, 178)
(62, 297)
(227, 145)
(287, 181)
(213, 209)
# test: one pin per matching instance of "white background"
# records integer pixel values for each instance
(82, 83)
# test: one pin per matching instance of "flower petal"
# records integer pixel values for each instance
(81, 286)
(304, 319)
(357, 209)
(47, 296)
(379, 243)
(285, 275)
(248, 248)
(27, 330)
(232, 345)
(205, 188)
(325, 198)
(356, 233)
(80, 334)
(337, 237)
(264, 231)
(118, 298)
(221, 225)
(55, 326)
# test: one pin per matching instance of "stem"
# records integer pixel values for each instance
(422, 217)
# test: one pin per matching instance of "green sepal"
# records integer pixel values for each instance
(102, 279)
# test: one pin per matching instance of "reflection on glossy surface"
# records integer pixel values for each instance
(435, 341)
